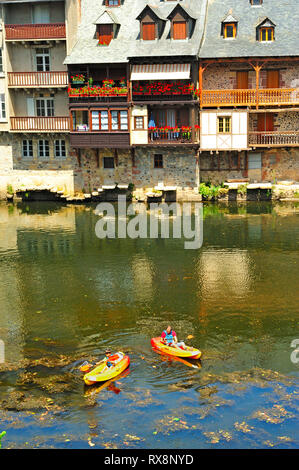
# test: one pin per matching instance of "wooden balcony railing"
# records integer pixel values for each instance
(35, 31)
(179, 135)
(40, 123)
(37, 79)
(252, 97)
(274, 138)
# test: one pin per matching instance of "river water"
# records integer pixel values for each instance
(66, 295)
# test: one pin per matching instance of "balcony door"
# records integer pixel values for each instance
(242, 80)
(272, 78)
(41, 14)
(45, 107)
(42, 58)
(265, 122)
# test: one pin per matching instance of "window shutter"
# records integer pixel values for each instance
(148, 31)
(105, 33)
(30, 107)
(179, 30)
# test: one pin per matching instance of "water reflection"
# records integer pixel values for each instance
(66, 295)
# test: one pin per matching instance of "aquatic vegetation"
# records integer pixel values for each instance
(244, 427)
(1, 436)
(276, 415)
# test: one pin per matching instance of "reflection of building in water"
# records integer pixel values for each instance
(18, 230)
(142, 271)
(224, 273)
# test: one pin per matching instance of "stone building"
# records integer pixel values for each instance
(156, 94)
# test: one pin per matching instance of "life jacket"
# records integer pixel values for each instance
(168, 337)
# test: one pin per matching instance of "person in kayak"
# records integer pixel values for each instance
(169, 338)
(111, 359)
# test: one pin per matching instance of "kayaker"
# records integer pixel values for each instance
(109, 363)
(169, 338)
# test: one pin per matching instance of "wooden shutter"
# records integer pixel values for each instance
(273, 79)
(148, 31)
(265, 122)
(179, 30)
(242, 80)
(105, 33)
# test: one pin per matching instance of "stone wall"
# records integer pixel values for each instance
(280, 164)
(217, 168)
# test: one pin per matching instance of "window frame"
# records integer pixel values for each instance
(49, 110)
(136, 128)
(158, 161)
(28, 147)
(62, 148)
(110, 123)
(225, 26)
(226, 119)
(267, 29)
(46, 67)
(3, 117)
(105, 159)
(45, 148)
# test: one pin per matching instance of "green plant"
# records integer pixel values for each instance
(131, 187)
(242, 189)
(1, 436)
(9, 189)
(209, 191)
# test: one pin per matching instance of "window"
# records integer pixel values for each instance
(230, 30)
(1, 62)
(256, 2)
(59, 148)
(104, 34)
(148, 31)
(42, 57)
(2, 107)
(113, 120)
(112, 3)
(108, 163)
(45, 107)
(139, 122)
(43, 149)
(266, 34)
(224, 124)
(158, 160)
(27, 149)
(179, 29)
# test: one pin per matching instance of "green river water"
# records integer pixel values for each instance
(65, 296)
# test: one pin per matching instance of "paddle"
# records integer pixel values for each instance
(85, 367)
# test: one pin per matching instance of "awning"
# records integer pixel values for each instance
(161, 72)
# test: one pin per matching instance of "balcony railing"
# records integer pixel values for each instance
(172, 136)
(35, 31)
(40, 124)
(87, 93)
(274, 138)
(252, 97)
(37, 79)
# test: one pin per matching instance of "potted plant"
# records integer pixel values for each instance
(78, 79)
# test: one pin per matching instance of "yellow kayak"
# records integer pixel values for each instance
(102, 372)
(189, 352)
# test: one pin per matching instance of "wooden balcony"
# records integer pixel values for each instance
(23, 32)
(162, 136)
(252, 97)
(40, 124)
(274, 139)
(37, 79)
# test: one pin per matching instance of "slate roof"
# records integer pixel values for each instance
(127, 44)
(284, 14)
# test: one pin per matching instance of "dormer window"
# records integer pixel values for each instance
(229, 27)
(151, 24)
(265, 31)
(256, 3)
(106, 28)
(182, 24)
